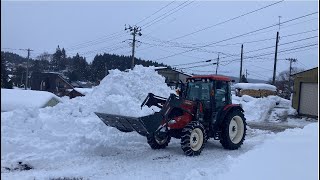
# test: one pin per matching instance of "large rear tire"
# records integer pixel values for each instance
(233, 130)
(193, 139)
(157, 143)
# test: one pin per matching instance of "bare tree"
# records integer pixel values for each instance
(283, 84)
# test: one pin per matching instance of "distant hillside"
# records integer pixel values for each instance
(13, 58)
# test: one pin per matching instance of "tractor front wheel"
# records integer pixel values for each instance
(193, 139)
(233, 130)
(158, 143)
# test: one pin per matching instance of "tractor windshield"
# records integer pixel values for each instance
(198, 91)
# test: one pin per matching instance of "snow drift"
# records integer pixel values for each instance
(292, 155)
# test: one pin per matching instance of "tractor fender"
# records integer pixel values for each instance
(225, 111)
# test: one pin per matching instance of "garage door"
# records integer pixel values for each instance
(309, 99)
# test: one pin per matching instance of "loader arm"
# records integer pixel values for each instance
(153, 100)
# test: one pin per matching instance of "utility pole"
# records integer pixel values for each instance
(275, 60)
(27, 73)
(241, 63)
(291, 61)
(135, 30)
(247, 74)
(217, 64)
(279, 22)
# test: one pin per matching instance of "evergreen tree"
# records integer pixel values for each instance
(59, 59)
(4, 74)
(78, 69)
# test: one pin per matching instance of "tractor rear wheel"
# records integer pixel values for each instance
(158, 143)
(233, 130)
(193, 139)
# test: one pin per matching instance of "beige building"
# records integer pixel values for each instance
(306, 92)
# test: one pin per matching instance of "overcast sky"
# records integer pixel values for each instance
(96, 27)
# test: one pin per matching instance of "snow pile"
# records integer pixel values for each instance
(123, 92)
(18, 99)
(43, 136)
(292, 155)
(260, 109)
(255, 86)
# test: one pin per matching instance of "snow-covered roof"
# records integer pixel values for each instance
(160, 67)
(17, 99)
(255, 86)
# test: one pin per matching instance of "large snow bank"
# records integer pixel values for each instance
(18, 99)
(255, 86)
(292, 155)
(43, 136)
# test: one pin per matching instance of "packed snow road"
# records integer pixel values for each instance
(70, 141)
(134, 159)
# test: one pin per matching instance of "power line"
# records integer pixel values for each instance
(11, 49)
(165, 15)
(238, 36)
(267, 39)
(268, 47)
(228, 20)
(95, 42)
(250, 51)
(111, 48)
(155, 12)
(209, 60)
(270, 53)
(304, 32)
(195, 57)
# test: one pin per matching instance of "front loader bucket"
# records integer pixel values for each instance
(143, 125)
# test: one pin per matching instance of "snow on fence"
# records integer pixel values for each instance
(12, 99)
(255, 89)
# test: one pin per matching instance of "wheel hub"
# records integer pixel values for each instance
(196, 139)
(236, 129)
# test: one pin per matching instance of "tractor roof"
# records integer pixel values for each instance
(212, 77)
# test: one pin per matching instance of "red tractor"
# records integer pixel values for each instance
(202, 110)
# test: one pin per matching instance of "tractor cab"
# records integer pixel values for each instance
(212, 91)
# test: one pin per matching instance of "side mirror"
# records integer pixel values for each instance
(233, 80)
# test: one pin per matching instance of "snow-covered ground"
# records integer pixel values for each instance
(70, 141)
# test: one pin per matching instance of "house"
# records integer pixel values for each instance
(172, 76)
(305, 92)
(255, 89)
(50, 81)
